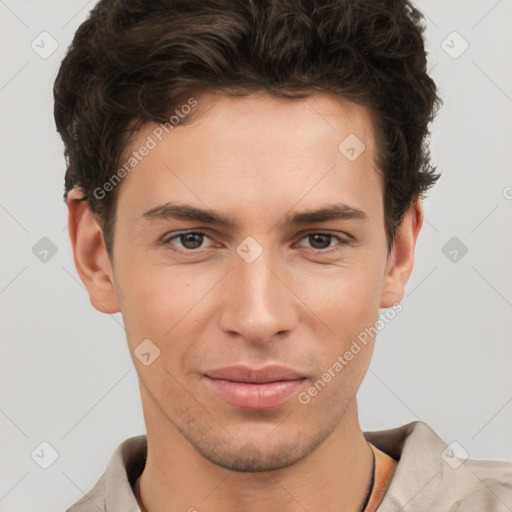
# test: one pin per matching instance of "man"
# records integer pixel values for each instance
(244, 185)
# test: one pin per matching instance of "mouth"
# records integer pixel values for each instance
(251, 388)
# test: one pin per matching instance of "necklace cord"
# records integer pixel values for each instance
(372, 482)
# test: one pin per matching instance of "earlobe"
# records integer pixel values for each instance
(90, 254)
(401, 259)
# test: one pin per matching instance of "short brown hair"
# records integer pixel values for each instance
(133, 61)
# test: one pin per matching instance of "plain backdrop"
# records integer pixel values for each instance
(66, 375)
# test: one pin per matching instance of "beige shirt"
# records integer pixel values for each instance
(428, 478)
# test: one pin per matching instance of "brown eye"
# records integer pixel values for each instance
(191, 240)
(188, 241)
(320, 240)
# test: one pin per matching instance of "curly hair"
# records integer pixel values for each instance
(133, 61)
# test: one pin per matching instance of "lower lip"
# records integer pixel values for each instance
(255, 396)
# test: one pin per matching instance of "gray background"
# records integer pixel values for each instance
(67, 377)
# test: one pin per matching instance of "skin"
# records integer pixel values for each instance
(256, 159)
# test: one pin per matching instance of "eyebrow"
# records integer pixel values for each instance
(171, 210)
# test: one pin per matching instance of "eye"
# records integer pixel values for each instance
(192, 241)
(322, 241)
(189, 240)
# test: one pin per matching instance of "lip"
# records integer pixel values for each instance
(253, 388)
(239, 373)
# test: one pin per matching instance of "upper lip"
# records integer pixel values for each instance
(263, 375)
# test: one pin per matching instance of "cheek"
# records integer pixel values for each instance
(160, 301)
(345, 296)
(348, 303)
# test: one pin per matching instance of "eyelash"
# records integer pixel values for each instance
(342, 241)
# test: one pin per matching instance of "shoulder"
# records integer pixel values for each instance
(434, 475)
(485, 484)
(113, 490)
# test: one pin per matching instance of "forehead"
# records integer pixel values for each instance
(311, 116)
(264, 118)
(257, 148)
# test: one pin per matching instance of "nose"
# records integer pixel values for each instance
(257, 300)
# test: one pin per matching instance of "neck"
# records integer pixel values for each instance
(177, 477)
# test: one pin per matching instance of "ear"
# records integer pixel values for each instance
(90, 254)
(401, 258)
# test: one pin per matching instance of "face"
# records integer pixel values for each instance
(260, 283)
